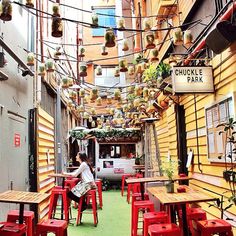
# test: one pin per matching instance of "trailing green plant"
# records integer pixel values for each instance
(150, 73)
(163, 70)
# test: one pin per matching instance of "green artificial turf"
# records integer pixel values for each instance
(113, 220)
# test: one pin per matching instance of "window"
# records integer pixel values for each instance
(217, 114)
(104, 20)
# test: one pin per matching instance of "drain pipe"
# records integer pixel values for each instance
(202, 43)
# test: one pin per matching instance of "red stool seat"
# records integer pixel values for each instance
(134, 188)
(123, 178)
(99, 191)
(151, 218)
(164, 230)
(216, 226)
(13, 216)
(89, 196)
(55, 193)
(145, 206)
(71, 182)
(58, 227)
(12, 229)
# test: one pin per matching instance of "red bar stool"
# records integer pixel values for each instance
(146, 206)
(164, 230)
(12, 229)
(55, 193)
(151, 218)
(134, 188)
(89, 196)
(123, 178)
(216, 226)
(13, 216)
(139, 175)
(99, 191)
(71, 182)
(58, 227)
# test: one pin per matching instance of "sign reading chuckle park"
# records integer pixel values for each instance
(192, 79)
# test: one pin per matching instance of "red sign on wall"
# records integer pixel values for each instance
(17, 140)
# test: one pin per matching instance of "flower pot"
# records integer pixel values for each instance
(70, 81)
(30, 59)
(154, 54)
(49, 65)
(125, 46)
(103, 50)
(56, 9)
(99, 101)
(178, 37)
(123, 65)
(146, 24)
(170, 187)
(29, 3)
(81, 108)
(149, 40)
(130, 89)
(94, 20)
(57, 27)
(41, 69)
(82, 69)
(145, 92)
(98, 70)
(117, 94)
(188, 38)
(57, 51)
(6, 10)
(110, 38)
(117, 72)
(81, 51)
(109, 100)
(81, 92)
(93, 111)
(64, 83)
(72, 95)
(121, 23)
(130, 70)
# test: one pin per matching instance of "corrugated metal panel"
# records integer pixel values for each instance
(46, 156)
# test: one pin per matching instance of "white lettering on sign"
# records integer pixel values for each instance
(192, 79)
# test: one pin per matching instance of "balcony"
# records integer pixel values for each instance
(165, 7)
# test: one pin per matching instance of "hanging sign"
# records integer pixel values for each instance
(17, 140)
(192, 79)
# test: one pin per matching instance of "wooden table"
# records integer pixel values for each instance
(190, 196)
(152, 179)
(60, 176)
(22, 198)
(72, 167)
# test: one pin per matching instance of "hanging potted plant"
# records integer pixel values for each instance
(98, 70)
(123, 65)
(81, 108)
(145, 92)
(57, 25)
(130, 89)
(64, 82)
(188, 38)
(50, 65)
(121, 23)
(109, 100)
(86, 99)
(130, 70)
(82, 92)
(146, 24)
(177, 36)
(112, 111)
(150, 73)
(103, 50)
(94, 93)
(41, 69)
(81, 51)
(110, 38)
(93, 111)
(117, 94)
(163, 70)
(94, 20)
(149, 40)
(99, 101)
(125, 46)
(154, 54)
(29, 3)
(138, 90)
(69, 103)
(57, 51)
(72, 95)
(136, 102)
(83, 69)
(86, 115)
(6, 10)
(30, 59)
(117, 71)
(70, 81)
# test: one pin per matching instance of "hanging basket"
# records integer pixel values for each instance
(125, 46)
(117, 94)
(94, 20)
(81, 51)
(6, 10)
(109, 100)
(70, 81)
(146, 24)
(57, 27)
(154, 54)
(65, 83)
(99, 101)
(50, 65)
(29, 3)
(188, 38)
(121, 23)
(103, 50)
(110, 38)
(123, 65)
(72, 95)
(41, 70)
(81, 93)
(178, 37)
(149, 40)
(98, 70)
(130, 70)
(117, 71)
(30, 59)
(83, 69)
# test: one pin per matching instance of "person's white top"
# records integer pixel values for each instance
(85, 172)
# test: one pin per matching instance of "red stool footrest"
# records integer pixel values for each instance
(99, 191)
(164, 230)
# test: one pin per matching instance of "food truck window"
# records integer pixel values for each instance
(116, 151)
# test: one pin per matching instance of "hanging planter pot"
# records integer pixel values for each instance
(93, 94)
(30, 59)
(145, 92)
(112, 111)
(93, 111)
(136, 102)
(81, 92)
(154, 54)
(188, 38)
(57, 27)
(109, 100)
(149, 40)
(123, 65)
(29, 3)
(121, 23)
(125, 46)
(117, 71)
(110, 38)
(138, 91)
(86, 99)
(130, 70)
(117, 94)
(64, 83)
(125, 108)
(70, 81)
(50, 65)
(72, 95)
(6, 10)
(83, 69)
(98, 70)
(94, 20)
(57, 51)
(99, 101)
(81, 51)
(146, 24)
(130, 89)
(69, 103)
(86, 115)
(178, 37)
(41, 70)
(81, 108)
(103, 50)
(93, 124)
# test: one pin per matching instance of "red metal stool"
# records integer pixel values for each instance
(123, 178)
(12, 229)
(164, 230)
(99, 191)
(13, 216)
(58, 227)
(210, 227)
(146, 206)
(89, 196)
(139, 175)
(55, 193)
(134, 188)
(151, 218)
(71, 182)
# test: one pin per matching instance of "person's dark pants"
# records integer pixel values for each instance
(76, 199)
